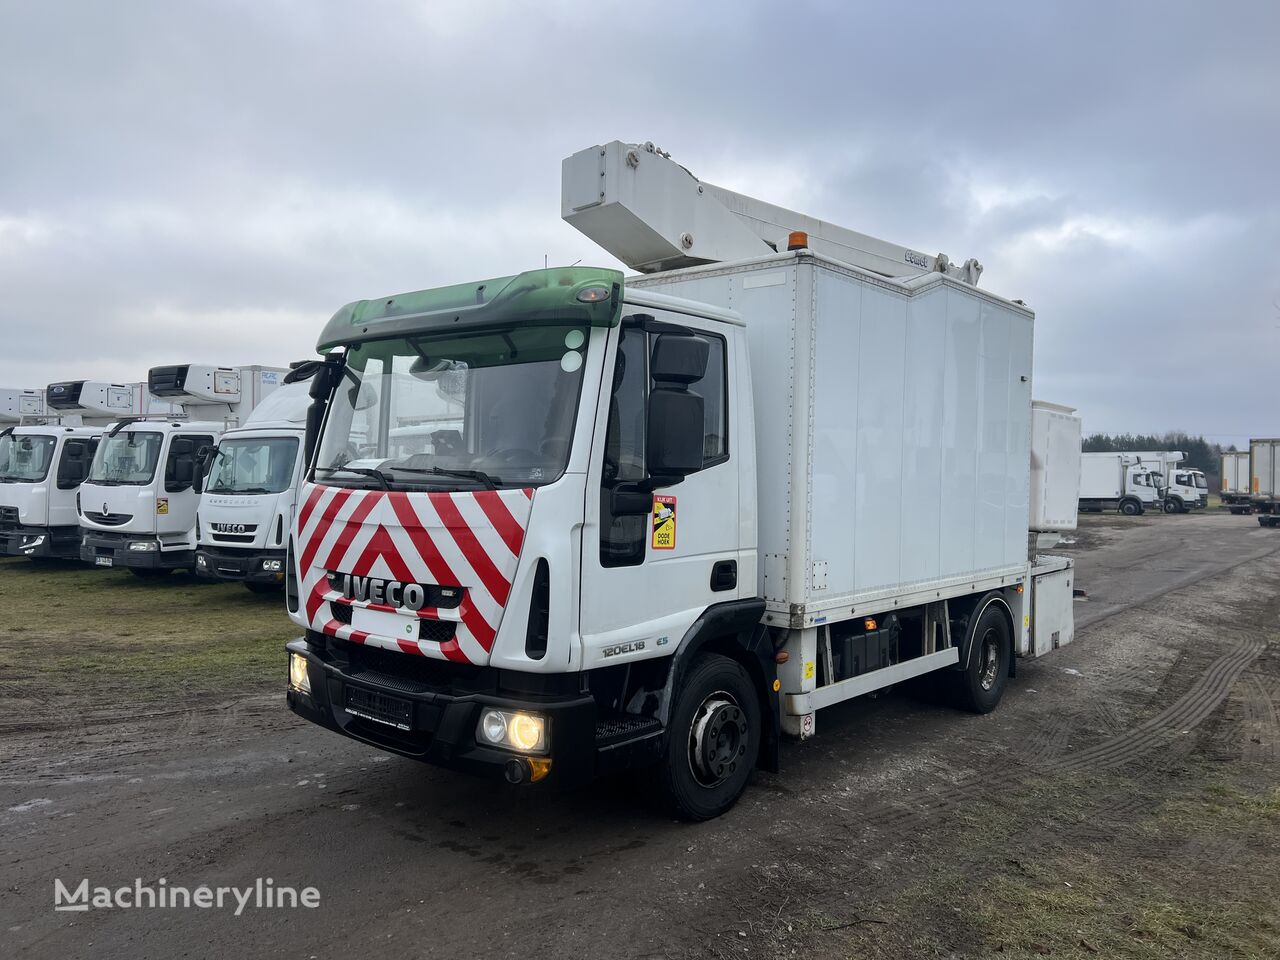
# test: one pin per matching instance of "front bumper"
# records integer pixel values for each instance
(44, 542)
(112, 550)
(443, 714)
(241, 565)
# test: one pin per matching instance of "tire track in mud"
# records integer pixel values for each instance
(1172, 723)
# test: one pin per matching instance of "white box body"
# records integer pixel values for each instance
(1265, 459)
(893, 423)
(1055, 467)
(1235, 472)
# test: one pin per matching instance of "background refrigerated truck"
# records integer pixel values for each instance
(682, 513)
(138, 504)
(1117, 481)
(1264, 469)
(248, 494)
(1184, 488)
(44, 461)
(1236, 478)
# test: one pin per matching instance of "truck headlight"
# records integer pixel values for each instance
(142, 546)
(272, 566)
(514, 730)
(201, 561)
(298, 679)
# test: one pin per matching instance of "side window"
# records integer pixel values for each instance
(622, 538)
(715, 405)
(199, 442)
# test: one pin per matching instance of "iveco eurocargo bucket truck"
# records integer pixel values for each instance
(677, 515)
(44, 460)
(137, 507)
(249, 493)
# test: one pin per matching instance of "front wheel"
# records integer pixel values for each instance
(1130, 508)
(981, 684)
(1173, 505)
(713, 739)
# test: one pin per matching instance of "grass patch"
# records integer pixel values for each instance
(106, 636)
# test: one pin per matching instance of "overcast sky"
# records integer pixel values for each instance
(208, 182)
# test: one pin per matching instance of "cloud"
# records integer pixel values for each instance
(214, 179)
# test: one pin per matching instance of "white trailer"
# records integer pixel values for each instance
(248, 495)
(1264, 480)
(138, 503)
(681, 513)
(1118, 481)
(1234, 470)
(47, 458)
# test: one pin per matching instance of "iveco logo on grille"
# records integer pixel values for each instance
(228, 527)
(392, 593)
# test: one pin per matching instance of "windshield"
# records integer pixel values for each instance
(25, 458)
(127, 458)
(253, 465)
(456, 410)
(1200, 480)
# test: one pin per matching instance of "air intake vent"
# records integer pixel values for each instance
(63, 396)
(168, 381)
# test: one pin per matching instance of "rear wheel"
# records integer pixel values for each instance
(713, 739)
(981, 684)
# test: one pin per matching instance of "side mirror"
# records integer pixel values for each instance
(204, 458)
(678, 359)
(674, 444)
(364, 396)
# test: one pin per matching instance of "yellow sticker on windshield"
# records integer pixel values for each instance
(664, 523)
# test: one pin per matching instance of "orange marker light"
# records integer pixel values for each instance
(797, 240)
(868, 624)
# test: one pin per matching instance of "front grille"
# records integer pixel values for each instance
(391, 681)
(110, 519)
(436, 631)
(231, 537)
(341, 611)
(8, 515)
(437, 674)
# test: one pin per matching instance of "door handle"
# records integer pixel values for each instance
(724, 575)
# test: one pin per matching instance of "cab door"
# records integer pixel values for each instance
(652, 562)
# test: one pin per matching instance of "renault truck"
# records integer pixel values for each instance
(248, 493)
(137, 506)
(45, 458)
(676, 515)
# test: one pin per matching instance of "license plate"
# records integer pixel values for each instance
(103, 561)
(380, 708)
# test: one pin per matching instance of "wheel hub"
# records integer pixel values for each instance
(718, 739)
(990, 660)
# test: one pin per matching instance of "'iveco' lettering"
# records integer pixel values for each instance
(387, 593)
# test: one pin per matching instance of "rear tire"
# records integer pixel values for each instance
(979, 687)
(713, 739)
(261, 588)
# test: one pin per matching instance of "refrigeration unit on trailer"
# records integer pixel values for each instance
(17, 403)
(673, 516)
(44, 460)
(248, 494)
(1264, 470)
(1118, 481)
(138, 503)
(1236, 478)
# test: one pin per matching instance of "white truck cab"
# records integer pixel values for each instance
(662, 521)
(44, 460)
(137, 506)
(248, 493)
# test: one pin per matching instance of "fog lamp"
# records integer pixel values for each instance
(272, 566)
(298, 679)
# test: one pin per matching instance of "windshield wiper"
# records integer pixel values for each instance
(383, 480)
(248, 489)
(478, 475)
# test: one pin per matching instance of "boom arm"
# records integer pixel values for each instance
(653, 214)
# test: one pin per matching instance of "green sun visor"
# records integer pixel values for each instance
(591, 295)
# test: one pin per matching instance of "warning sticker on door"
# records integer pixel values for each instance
(664, 523)
(162, 505)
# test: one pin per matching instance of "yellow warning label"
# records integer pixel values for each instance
(808, 669)
(162, 505)
(664, 523)
(1026, 621)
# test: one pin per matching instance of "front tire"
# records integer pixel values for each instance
(1130, 508)
(1173, 505)
(981, 684)
(713, 739)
